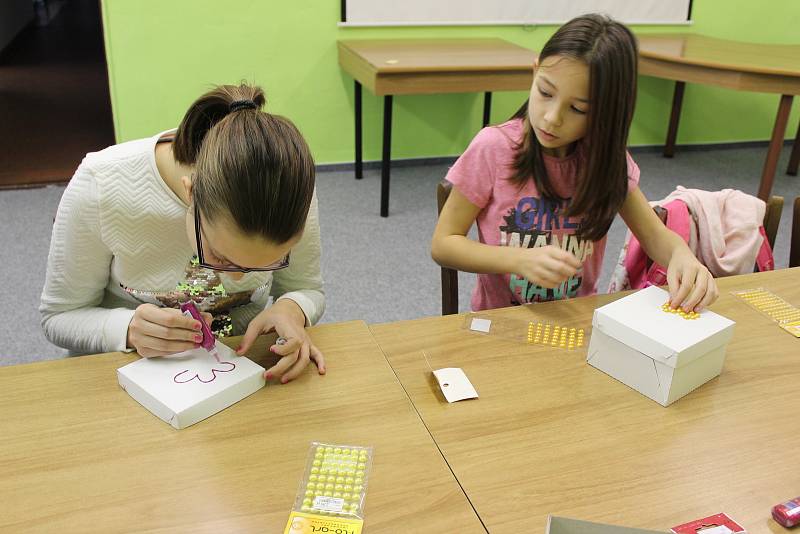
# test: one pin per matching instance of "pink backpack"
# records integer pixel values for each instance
(643, 272)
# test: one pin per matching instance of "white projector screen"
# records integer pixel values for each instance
(508, 12)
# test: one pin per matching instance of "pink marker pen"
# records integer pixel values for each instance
(209, 342)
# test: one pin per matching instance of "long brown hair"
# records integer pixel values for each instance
(251, 167)
(610, 51)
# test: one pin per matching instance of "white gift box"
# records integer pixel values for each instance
(660, 354)
(188, 387)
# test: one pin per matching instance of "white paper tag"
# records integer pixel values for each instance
(454, 384)
(328, 504)
(722, 529)
(480, 325)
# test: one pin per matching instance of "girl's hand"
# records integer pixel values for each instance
(288, 320)
(155, 331)
(546, 266)
(691, 285)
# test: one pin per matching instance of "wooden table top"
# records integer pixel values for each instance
(437, 55)
(762, 68)
(77, 454)
(437, 65)
(700, 50)
(551, 434)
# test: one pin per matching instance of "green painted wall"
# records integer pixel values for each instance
(162, 55)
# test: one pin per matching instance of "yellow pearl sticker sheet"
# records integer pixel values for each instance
(554, 335)
(549, 333)
(786, 315)
(332, 491)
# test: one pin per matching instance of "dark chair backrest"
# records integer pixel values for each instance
(794, 248)
(772, 217)
(449, 276)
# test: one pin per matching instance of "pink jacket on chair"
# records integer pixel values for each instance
(722, 228)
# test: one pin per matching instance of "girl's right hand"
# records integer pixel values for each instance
(155, 331)
(546, 266)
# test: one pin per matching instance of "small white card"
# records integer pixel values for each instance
(454, 384)
(480, 325)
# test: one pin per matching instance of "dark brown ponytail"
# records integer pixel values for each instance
(251, 167)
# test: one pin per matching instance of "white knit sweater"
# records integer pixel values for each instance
(119, 240)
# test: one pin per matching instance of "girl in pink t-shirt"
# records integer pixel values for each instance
(545, 186)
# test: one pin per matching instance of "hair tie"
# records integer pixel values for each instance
(236, 105)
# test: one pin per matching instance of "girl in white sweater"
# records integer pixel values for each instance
(221, 211)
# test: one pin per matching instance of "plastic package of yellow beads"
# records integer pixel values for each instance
(545, 333)
(774, 307)
(332, 491)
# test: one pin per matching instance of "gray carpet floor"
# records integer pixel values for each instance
(375, 269)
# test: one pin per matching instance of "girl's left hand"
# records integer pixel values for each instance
(691, 285)
(288, 320)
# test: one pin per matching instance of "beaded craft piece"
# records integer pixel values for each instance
(680, 311)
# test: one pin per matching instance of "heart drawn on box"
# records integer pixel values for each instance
(185, 376)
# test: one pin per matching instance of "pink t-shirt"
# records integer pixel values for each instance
(516, 217)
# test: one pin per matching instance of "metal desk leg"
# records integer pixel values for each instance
(387, 154)
(674, 119)
(487, 108)
(794, 159)
(359, 164)
(775, 145)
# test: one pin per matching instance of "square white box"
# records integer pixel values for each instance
(188, 387)
(660, 354)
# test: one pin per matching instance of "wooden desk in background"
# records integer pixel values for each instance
(77, 454)
(551, 434)
(390, 67)
(761, 68)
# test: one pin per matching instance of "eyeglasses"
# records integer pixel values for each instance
(280, 264)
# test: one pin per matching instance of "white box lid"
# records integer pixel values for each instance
(638, 321)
